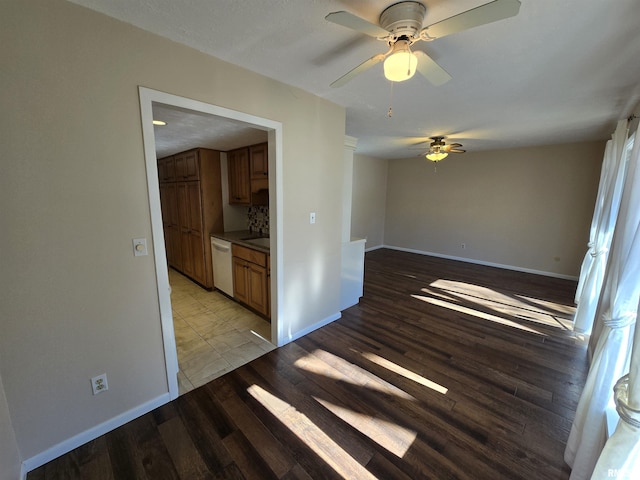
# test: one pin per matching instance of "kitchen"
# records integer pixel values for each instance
(214, 191)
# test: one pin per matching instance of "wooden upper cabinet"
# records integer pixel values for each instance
(259, 165)
(167, 170)
(248, 170)
(187, 165)
(239, 179)
(259, 161)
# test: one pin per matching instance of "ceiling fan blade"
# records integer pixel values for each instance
(366, 65)
(354, 22)
(453, 148)
(430, 70)
(487, 13)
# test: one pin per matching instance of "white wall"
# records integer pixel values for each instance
(527, 208)
(74, 301)
(369, 199)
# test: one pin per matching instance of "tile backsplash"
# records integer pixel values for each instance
(258, 220)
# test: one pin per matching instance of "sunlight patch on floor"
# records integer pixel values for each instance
(521, 306)
(329, 365)
(388, 435)
(476, 313)
(307, 431)
(395, 368)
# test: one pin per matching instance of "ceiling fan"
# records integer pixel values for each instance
(401, 26)
(438, 150)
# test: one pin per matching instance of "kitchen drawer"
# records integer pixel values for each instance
(250, 255)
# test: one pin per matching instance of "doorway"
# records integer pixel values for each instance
(273, 129)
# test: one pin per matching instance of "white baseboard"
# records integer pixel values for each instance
(371, 249)
(480, 262)
(315, 326)
(91, 434)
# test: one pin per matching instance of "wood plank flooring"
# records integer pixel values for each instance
(445, 370)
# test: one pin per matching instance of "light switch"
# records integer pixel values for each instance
(312, 218)
(139, 247)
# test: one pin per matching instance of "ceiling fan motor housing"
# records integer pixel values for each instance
(403, 19)
(437, 142)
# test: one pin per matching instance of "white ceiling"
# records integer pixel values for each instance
(559, 71)
(186, 129)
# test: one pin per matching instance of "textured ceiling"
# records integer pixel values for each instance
(187, 129)
(559, 71)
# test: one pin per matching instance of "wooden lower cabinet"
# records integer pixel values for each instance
(250, 278)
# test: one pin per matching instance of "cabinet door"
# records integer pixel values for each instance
(164, 204)
(259, 161)
(240, 285)
(187, 166)
(259, 166)
(239, 181)
(257, 279)
(174, 250)
(166, 224)
(182, 196)
(196, 249)
(166, 170)
(171, 205)
(194, 207)
(196, 234)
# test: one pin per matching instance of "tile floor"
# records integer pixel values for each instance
(214, 334)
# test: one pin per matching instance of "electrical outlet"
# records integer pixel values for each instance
(312, 218)
(99, 384)
(463, 245)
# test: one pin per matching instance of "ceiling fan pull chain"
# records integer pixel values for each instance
(390, 112)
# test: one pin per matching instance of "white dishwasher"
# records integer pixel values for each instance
(221, 263)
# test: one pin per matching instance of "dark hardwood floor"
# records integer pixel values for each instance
(444, 370)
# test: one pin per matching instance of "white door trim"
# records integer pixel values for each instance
(274, 129)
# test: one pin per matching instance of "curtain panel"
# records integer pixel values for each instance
(621, 456)
(603, 223)
(616, 317)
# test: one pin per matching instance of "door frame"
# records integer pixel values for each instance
(274, 130)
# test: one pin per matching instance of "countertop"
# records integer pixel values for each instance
(240, 236)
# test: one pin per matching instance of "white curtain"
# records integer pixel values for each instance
(608, 167)
(602, 226)
(621, 456)
(617, 311)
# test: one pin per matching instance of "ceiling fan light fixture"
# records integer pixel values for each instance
(436, 156)
(401, 64)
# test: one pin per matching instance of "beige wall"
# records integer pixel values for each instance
(369, 199)
(74, 301)
(9, 455)
(528, 208)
